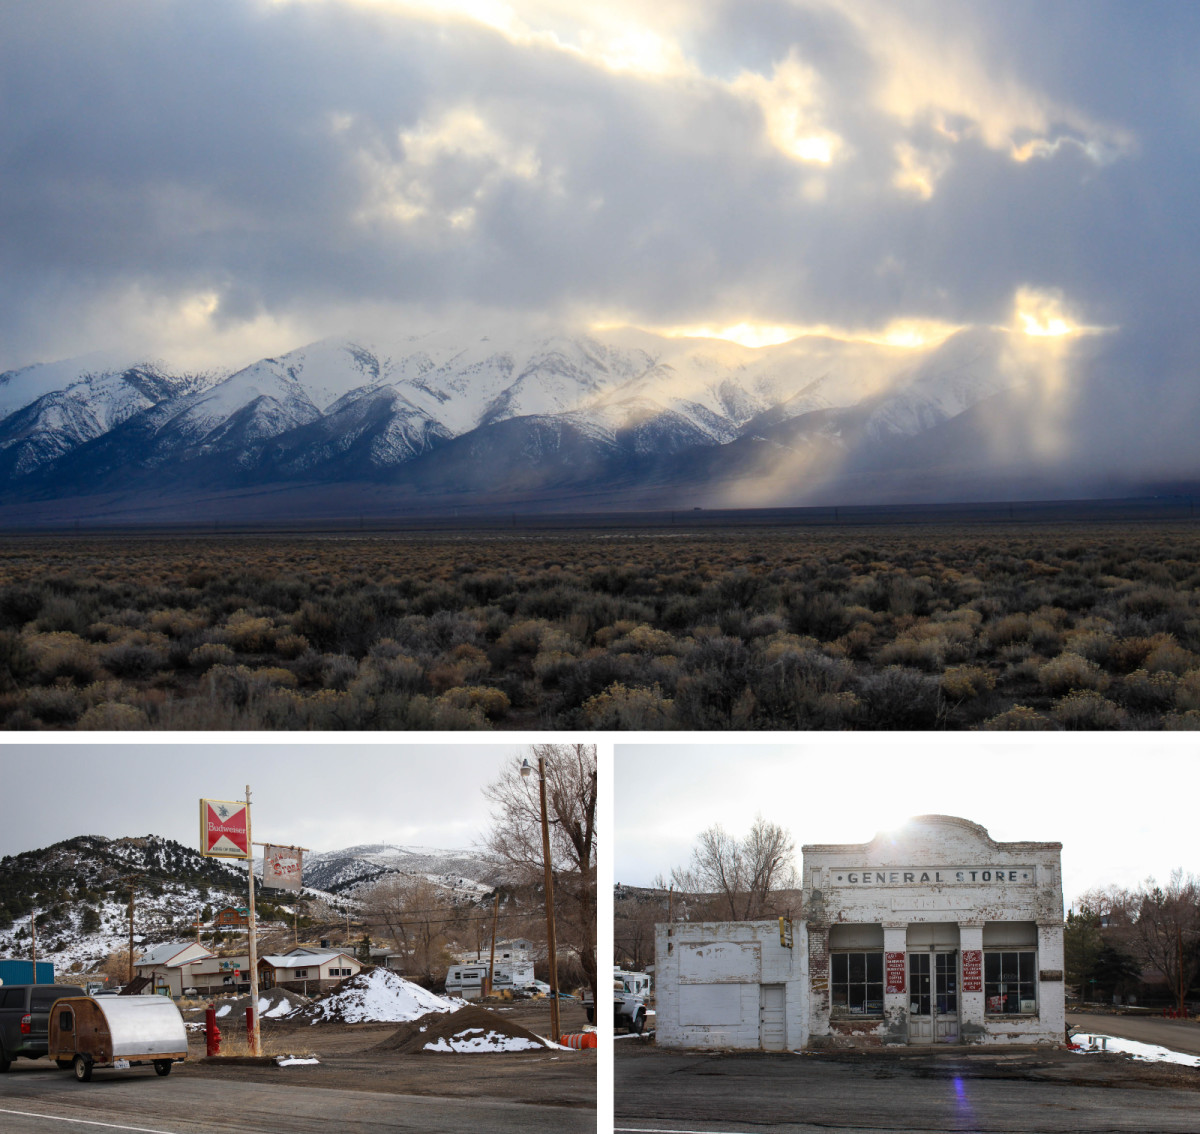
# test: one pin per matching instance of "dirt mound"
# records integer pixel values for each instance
(372, 996)
(272, 1003)
(467, 1030)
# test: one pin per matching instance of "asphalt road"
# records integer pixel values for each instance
(36, 1098)
(1034, 1094)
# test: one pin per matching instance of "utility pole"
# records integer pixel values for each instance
(492, 959)
(33, 938)
(132, 879)
(255, 1033)
(1179, 949)
(551, 951)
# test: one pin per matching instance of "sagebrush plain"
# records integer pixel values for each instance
(929, 626)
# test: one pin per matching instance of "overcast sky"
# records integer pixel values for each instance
(321, 796)
(216, 182)
(1119, 805)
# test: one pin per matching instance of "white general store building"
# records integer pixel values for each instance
(932, 934)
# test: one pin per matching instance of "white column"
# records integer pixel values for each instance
(972, 1026)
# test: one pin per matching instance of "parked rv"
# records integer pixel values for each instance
(466, 981)
(116, 1031)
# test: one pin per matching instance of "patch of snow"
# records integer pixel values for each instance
(280, 1009)
(223, 1010)
(1092, 1043)
(293, 1061)
(476, 1039)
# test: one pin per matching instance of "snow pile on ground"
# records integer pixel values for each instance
(374, 996)
(471, 1029)
(1090, 1043)
(294, 1060)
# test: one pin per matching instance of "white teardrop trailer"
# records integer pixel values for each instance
(116, 1031)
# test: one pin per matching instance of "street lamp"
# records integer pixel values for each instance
(526, 769)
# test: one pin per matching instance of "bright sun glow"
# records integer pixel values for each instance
(907, 334)
(1040, 313)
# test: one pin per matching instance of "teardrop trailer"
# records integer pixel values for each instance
(117, 1032)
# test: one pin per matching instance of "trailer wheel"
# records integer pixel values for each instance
(162, 1067)
(83, 1069)
(639, 1024)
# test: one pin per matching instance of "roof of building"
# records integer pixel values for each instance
(170, 954)
(304, 960)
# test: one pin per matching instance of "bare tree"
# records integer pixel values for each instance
(516, 838)
(741, 873)
(416, 915)
(1167, 930)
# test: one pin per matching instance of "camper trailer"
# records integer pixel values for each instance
(116, 1031)
(466, 981)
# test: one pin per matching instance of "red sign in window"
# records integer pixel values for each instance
(972, 977)
(895, 972)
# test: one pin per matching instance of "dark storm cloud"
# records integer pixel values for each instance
(288, 159)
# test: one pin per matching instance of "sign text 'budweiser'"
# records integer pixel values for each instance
(224, 828)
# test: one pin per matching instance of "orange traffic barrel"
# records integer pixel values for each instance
(579, 1040)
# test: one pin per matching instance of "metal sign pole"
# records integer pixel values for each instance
(255, 1035)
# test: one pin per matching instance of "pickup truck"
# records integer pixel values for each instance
(629, 1008)
(25, 1018)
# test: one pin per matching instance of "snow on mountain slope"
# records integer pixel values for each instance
(340, 869)
(544, 407)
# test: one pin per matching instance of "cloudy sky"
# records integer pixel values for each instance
(1094, 794)
(321, 796)
(211, 183)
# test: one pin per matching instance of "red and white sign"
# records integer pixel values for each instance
(895, 972)
(224, 829)
(972, 978)
(282, 867)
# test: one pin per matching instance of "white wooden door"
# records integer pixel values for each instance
(772, 1029)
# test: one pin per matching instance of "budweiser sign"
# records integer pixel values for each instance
(224, 829)
(282, 867)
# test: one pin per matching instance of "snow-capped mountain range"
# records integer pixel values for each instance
(77, 890)
(483, 415)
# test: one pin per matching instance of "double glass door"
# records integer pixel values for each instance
(933, 996)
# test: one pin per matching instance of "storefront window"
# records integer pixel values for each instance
(856, 984)
(1010, 983)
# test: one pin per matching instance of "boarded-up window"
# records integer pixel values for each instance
(720, 962)
(702, 1005)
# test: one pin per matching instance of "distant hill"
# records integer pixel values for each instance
(77, 890)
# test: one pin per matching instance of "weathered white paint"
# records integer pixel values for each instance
(720, 962)
(723, 1010)
(933, 885)
(939, 887)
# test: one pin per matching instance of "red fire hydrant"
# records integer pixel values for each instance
(212, 1034)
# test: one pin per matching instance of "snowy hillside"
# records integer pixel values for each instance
(534, 412)
(78, 890)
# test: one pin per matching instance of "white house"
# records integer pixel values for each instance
(170, 967)
(305, 970)
(932, 934)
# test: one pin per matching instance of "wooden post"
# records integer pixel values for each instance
(255, 1034)
(131, 893)
(556, 1034)
(492, 959)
